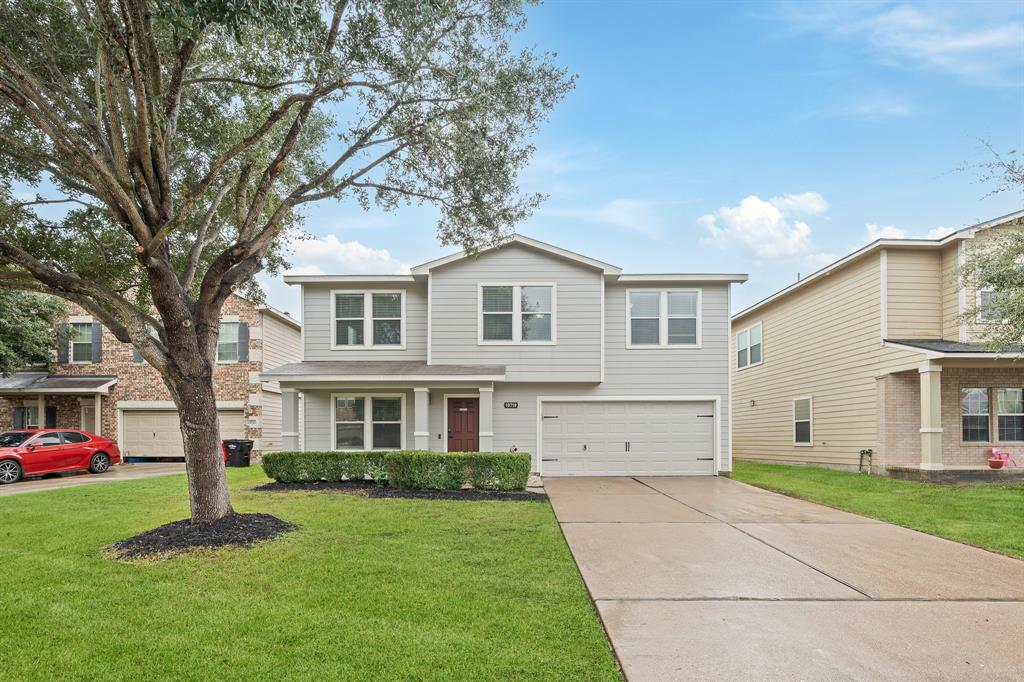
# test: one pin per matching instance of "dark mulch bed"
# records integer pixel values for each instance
(236, 530)
(352, 487)
(467, 494)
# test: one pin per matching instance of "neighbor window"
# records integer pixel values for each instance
(663, 318)
(227, 342)
(368, 319)
(974, 415)
(512, 313)
(802, 415)
(359, 428)
(81, 342)
(986, 310)
(748, 346)
(1010, 410)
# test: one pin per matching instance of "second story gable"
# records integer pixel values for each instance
(542, 312)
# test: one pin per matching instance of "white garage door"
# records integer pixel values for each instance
(156, 433)
(627, 438)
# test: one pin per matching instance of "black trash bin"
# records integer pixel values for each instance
(237, 452)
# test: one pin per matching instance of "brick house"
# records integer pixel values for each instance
(104, 386)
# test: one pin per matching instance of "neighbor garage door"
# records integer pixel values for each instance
(156, 433)
(627, 438)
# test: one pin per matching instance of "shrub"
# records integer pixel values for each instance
(413, 469)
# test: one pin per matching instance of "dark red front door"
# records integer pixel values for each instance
(463, 424)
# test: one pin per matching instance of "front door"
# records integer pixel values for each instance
(463, 424)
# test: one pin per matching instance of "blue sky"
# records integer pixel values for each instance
(767, 138)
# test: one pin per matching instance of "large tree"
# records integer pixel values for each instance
(184, 139)
(27, 321)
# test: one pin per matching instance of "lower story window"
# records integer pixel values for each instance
(802, 415)
(974, 415)
(364, 422)
(1010, 404)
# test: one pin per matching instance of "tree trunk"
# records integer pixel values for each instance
(204, 463)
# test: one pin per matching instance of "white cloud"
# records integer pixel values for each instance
(637, 215)
(766, 228)
(978, 43)
(886, 232)
(939, 232)
(329, 254)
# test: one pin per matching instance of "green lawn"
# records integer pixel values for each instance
(984, 516)
(365, 589)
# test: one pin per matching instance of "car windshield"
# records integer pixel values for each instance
(13, 438)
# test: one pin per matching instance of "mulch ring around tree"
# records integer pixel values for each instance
(180, 537)
(376, 491)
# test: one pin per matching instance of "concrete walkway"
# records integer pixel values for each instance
(712, 579)
(120, 472)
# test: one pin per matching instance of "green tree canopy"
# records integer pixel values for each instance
(27, 323)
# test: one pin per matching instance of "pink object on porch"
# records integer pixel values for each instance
(1005, 456)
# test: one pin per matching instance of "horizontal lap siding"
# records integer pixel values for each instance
(455, 315)
(280, 343)
(950, 292)
(270, 435)
(317, 323)
(823, 341)
(915, 294)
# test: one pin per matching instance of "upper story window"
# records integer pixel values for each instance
(748, 346)
(227, 342)
(986, 310)
(517, 313)
(663, 318)
(368, 319)
(81, 342)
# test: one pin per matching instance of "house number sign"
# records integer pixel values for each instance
(511, 405)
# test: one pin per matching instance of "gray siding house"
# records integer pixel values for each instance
(522, 346)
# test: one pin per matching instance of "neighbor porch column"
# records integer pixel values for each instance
(98, 411)
(41, 408)
(289, 420)
(421, 423)
(931, 416)
(487, 419)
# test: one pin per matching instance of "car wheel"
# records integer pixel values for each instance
(99, 463)
(10, 471)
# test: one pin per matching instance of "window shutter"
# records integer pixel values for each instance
(63, 341)
(51, 417)
(243, 342)
(136, 355)
(97, 342)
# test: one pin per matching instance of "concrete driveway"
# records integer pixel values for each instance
(712, 579)
(120, 472)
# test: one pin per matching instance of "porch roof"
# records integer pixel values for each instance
(939, 348)
(384, 370)
(41, 382)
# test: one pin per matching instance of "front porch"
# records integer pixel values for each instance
(940, 421)
(38, 400)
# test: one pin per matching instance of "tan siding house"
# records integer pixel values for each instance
(869, 362)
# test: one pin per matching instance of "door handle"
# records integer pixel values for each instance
(627, 446)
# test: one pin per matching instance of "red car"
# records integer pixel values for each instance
(47, 451)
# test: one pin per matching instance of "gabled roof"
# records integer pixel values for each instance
(940, 348)
(606, 268)
(878, 245)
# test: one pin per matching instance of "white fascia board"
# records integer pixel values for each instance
(606, 268)
(377, 378)
(683, 277)
(341, 279)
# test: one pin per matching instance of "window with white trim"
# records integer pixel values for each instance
(987, 311)
(517, 313)
(1010, 413)
(659, 318)
(227, 342)
(368, 319)
(974, 415)
(81, 342)
(748, 346)
(365, 422)
(803, 414)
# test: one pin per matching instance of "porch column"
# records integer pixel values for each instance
(487, 419)
(421, 418)
(98, 411)
(41, 410)
(931, 416)
(289, 420)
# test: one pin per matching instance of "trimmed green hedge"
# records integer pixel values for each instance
(413, 469)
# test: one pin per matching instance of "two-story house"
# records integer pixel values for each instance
(875, 352)
(523, 346)
(104, 386)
